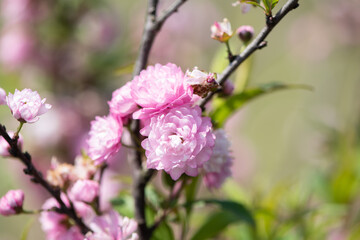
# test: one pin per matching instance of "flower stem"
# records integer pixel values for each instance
(16, 135)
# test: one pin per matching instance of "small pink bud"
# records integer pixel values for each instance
(85, 190)
(221, 31)
(2, 97)
(12, 202)
(228, 88)
(4, 145)
(245, 33)
(27, 105)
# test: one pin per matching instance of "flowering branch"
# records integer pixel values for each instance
(256, 44)
(30, 169)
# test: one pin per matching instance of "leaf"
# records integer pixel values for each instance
(274, 3)
(127, 69)
(224, 108)
(163, 231)
(190, 192)
(253, 3)
(237, 209)
(27, 228)
(124, 204)
(167, 180)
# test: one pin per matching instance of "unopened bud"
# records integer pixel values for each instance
(245, 33)
(228, 88)
(221, 31)
(12, 203)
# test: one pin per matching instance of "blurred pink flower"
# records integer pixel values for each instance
(12, 202)
(2, 97)
(16, 46)
(122, 104)
(85, 190)
(179, 141)
(84, 167)
(158, 88)
(26, 105)
(221, 31)
(60, 174)
(104, 138)
(58, 226)
(218, 168)
(228, 88)
(4, 145)
(15, 11)
(112, 226)
(245, 7)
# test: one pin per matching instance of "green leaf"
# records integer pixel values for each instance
(190, 192)
(27, 228)
(237, 209)
(214, 225)
(274, 3)
(124, 204)
(163, 231)
(167, 180)
(224, 108)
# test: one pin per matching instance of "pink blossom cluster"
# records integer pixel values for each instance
(178, 138)
(12, 203)
(82, 189)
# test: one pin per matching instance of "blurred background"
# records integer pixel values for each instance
(297, 153)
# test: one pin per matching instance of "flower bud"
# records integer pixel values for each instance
(5, 147)
(228, 88)
(27, 105)
(201, 82)
(245, 33)
(12, 203)
(221, 31)
(2, 97)
(85, 190)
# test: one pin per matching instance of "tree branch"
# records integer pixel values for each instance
(37, 177)
(256, 44)
(142, 176)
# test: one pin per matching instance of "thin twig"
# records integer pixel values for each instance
(37, 177)
(142, 176)
(256, 44)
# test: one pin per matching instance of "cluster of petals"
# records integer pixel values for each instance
(245, 7)
(60, 174)
(221, 31)
(5, 147)
(122, 103)
(84, 167)
(12, 202)
(58, 226)
(218, 168)
(2, 97)
(112, 226)
(26, 105)
(104, 138)
(178, 141)
(158, 88)
(201, 82)
(85, 190)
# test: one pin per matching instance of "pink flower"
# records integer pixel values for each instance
(122, 103)
(12, 202)
(217, 169)
(158, 88)
(228, 88)
(85, 190)
(179, 141)
(58, 226)
(245, 33)
(84, 167)
(201, 82)
(60, 174)
(221, 31)
(4, 145)
(16, 46)
(2, 97)
(104, 138)
(26, 105)
(245, 7)
(112, 227)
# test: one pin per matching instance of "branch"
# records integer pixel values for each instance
(257, 43)
(37, 177)
(151, 29)
(141, 176)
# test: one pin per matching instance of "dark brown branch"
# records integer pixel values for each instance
(37, 177)
(141, 176)
(257, 43)
(152, 27)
